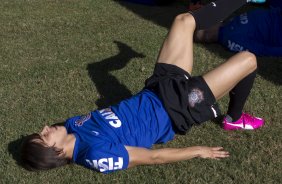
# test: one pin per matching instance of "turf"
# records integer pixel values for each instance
(64, 58)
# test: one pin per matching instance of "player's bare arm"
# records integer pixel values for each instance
(143, 156)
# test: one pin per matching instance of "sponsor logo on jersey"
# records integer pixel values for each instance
(234, 46)
(244, 18)
(110, 117)
(195, 96)
(82, 120)
(106, 164)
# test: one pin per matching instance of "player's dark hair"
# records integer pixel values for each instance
(36, 155)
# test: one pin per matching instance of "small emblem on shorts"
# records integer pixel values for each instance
(195, 96)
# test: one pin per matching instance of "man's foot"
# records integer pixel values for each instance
(256, 1)
(246, 122)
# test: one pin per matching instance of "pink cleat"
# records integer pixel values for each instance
(246, 122)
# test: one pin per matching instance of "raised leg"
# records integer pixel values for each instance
(226, 76)
(237, 76)
(177, 48)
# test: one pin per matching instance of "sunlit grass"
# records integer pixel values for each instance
(50, 49)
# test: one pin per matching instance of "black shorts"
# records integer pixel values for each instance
(188, 100)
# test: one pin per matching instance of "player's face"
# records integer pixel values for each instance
(54, 136)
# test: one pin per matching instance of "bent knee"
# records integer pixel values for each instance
(185, 19)
(249, 61)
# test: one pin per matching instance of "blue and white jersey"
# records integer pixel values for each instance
(101, 135)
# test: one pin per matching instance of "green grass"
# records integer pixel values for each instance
(56, 59)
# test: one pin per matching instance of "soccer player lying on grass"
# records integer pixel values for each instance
(172, 101)
(257, 31)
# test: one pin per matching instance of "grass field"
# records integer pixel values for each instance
(60, 58)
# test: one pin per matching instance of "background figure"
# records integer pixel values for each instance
(255, 31)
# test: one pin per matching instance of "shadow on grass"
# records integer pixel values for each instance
(110, 89)
(14, 149)
(270, 69)
(160, 15)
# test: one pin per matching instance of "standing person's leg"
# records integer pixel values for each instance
(217, 11)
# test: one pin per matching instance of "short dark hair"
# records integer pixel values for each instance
(36, 155)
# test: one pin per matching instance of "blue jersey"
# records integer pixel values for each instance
(101, 135)
(257, 31)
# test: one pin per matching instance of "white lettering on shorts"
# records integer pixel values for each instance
(106, 164)
(111, 117)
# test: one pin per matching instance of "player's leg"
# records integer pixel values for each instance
(235, 76)
(178, 46)
(223, 78)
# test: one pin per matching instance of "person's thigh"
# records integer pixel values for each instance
(224, 78)
(177, 48)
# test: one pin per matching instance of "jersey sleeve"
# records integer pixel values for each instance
(107, 158)
(70, 123)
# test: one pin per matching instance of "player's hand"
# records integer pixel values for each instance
(213, 152)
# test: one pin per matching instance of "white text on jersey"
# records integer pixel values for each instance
(111, 117)
(106, 164)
